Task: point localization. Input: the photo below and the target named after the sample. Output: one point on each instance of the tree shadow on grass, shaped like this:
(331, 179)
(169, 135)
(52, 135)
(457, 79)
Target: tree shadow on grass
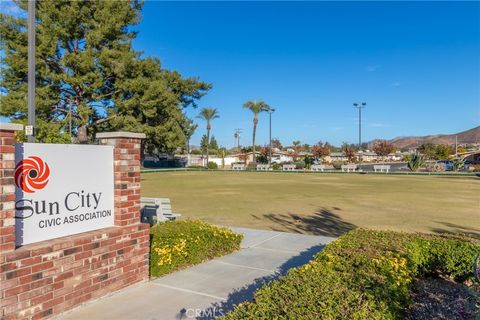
(323, 223)
(457, 229)
(246, 293)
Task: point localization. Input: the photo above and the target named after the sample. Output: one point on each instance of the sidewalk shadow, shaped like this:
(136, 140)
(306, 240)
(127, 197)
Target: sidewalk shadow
(457, 229)
(246, 293)
(323, 223)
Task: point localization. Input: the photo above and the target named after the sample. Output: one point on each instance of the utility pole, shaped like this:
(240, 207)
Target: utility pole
(237, 137)
(270, 111)
(30, 129)
(456, 145)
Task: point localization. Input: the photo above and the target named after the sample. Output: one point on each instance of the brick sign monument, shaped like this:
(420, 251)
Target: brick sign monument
(70, 226)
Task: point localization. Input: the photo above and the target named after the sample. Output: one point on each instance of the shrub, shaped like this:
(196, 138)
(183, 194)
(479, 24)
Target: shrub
(212, 165)
(276, 166)
(178, 244)
(261, 158)
(196, 151)
(337, 164)
(458, 165)
(362, 275)
(196, 167)
(308, 161)
(473, 168)
(251, 166)
(416, 162)
(299, 165)
(435, 167)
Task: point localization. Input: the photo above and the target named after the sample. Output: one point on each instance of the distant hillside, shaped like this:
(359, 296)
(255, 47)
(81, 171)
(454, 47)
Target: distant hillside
(469, 136)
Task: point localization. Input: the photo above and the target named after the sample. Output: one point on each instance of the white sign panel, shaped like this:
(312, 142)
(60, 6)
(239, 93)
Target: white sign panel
(62, 190)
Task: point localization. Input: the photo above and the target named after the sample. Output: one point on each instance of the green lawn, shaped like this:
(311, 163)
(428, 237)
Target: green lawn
(325, 204)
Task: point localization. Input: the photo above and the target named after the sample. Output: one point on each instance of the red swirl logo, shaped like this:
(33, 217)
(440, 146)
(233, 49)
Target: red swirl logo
(31, 174)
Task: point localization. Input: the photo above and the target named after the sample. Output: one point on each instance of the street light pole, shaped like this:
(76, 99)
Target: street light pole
(270, 111)
(31, 70)
(359, 106)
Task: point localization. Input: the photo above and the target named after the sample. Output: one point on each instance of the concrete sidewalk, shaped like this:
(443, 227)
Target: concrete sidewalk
(210, 289)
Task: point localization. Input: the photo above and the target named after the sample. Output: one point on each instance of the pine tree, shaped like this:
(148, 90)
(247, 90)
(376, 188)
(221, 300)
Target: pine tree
(213, 143)
(88, 71)
(204, 144)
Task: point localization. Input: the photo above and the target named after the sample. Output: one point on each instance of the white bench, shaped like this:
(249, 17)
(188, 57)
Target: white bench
(238, 166)
(155, 210)
(263, 167)
(381, 168)
(349, 167)
(289, 167)
(317, 167)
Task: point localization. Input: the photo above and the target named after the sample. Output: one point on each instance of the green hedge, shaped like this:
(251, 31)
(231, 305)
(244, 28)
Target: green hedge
(362, 275)
(212, 165)
(178, 244)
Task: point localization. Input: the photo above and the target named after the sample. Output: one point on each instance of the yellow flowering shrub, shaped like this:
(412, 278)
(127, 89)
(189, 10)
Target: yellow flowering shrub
(178, 244)
(364, 274)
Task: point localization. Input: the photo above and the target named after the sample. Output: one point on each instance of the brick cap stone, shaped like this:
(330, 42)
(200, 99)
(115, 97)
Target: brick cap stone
(120, 134)
(10, 126)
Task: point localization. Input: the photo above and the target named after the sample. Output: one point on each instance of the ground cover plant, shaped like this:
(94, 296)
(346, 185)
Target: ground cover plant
(323, 204)
(363, 275)
(178, 244)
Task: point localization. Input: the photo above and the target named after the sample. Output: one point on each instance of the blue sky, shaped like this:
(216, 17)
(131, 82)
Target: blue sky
(416, 64)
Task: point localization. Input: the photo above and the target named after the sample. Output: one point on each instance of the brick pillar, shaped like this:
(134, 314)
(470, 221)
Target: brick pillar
(126, 174)
(42, 279)
(7, 186)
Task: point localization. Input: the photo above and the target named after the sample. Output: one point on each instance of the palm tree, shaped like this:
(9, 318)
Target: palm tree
(296, 150)
(222, 153)
(296, 145)
(256, 107)
(208, 114)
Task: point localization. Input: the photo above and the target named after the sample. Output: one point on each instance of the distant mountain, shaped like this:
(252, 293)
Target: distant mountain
(469, 136)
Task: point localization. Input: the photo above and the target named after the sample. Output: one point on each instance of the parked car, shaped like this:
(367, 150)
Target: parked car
(448, 165)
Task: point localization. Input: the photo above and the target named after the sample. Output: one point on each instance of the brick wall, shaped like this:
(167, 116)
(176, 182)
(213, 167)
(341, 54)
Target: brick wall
(7, 196)
(46, 278)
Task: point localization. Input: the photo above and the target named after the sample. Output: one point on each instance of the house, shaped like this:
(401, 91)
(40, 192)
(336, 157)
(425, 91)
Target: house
(227, 161)
(364, 156)
(277, 157)
(368, 156)
(397, 156)
(281, 157)
(335, 156)
(194, 160)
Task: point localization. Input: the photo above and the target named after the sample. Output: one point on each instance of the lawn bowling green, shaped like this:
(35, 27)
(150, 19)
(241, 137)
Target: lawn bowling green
(322, 203)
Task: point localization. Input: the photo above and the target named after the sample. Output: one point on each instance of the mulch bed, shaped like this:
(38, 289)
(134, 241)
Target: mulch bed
(441, 298)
